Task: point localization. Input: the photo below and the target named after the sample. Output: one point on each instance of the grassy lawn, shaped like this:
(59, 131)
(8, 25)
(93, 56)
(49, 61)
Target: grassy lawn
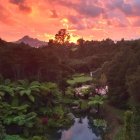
(79, 79)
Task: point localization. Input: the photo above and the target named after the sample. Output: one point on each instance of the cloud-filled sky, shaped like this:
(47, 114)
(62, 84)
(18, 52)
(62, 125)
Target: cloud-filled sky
(90, 19)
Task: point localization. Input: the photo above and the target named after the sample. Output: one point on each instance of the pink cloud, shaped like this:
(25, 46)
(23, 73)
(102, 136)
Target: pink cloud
(22, 5)
(85, 18)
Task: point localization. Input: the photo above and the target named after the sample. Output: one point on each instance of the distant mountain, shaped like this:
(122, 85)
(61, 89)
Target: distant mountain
(33, 42)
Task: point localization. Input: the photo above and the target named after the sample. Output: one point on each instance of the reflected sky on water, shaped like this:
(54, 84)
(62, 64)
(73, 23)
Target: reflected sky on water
(79, 131)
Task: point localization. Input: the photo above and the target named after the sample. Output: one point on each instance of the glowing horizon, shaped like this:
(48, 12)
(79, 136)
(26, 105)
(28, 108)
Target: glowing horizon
(88, 19)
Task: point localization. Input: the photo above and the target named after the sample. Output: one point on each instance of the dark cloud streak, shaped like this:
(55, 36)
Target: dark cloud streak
(17, 1)
(22, 5)
(82, 7)
(54, 14)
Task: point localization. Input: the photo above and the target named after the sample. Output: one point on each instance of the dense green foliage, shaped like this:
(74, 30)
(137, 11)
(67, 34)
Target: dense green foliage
(97, 101)
(79, 79)
(39, 102)
(123, 78)
(53, 62)
(128, 125)
(13, 137)
(25, 105)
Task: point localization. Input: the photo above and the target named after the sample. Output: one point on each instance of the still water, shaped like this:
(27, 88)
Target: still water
(80, 130)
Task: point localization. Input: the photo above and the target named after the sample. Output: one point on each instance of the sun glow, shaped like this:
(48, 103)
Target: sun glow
(65, 22)
(74, 38)
(34, 13)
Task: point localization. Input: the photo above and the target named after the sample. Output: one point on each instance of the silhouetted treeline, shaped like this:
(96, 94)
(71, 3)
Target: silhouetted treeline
(56, 61)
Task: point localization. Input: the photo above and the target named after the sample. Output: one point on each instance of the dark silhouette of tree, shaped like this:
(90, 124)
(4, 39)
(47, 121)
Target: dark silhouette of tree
(62, 36)
(51, 43)
(81, 42)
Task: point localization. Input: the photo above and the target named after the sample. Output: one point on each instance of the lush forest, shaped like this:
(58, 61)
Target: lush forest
(37, 87)
(55, 60)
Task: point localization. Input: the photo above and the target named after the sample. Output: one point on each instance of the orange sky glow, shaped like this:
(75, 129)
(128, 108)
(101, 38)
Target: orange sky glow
(88, 19)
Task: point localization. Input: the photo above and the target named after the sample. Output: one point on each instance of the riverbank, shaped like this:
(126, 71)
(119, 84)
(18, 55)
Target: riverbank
(114, 117)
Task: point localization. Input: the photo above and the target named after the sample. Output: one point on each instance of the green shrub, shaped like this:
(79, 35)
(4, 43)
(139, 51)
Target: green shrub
(38, 138)
(128, 119)
(13, 137)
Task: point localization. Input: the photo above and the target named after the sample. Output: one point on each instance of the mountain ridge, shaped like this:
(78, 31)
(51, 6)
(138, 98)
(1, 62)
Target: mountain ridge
(33, 42)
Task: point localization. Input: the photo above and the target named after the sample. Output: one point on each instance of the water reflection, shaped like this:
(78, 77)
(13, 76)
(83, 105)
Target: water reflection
(79, 131)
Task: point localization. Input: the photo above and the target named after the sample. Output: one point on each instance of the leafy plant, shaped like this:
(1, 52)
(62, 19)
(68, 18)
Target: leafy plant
(16, 115)
(21, 120)
(79, 79)
(13, 137)
(128, 125)
(58, 110)
(50, 93)
(100, 123)
(70, 91)
(27, 89)
(7, 109)
(38, 138)
(96, 101)
(6, 88)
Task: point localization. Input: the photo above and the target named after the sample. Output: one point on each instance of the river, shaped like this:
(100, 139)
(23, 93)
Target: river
(80, 130)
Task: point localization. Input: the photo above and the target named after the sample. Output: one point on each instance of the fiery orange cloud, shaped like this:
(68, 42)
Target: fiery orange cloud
(88, 19)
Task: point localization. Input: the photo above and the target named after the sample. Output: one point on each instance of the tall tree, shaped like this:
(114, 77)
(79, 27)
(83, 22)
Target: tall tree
(62, 36)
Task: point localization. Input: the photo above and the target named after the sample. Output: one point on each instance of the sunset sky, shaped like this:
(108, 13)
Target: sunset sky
(90, 19)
